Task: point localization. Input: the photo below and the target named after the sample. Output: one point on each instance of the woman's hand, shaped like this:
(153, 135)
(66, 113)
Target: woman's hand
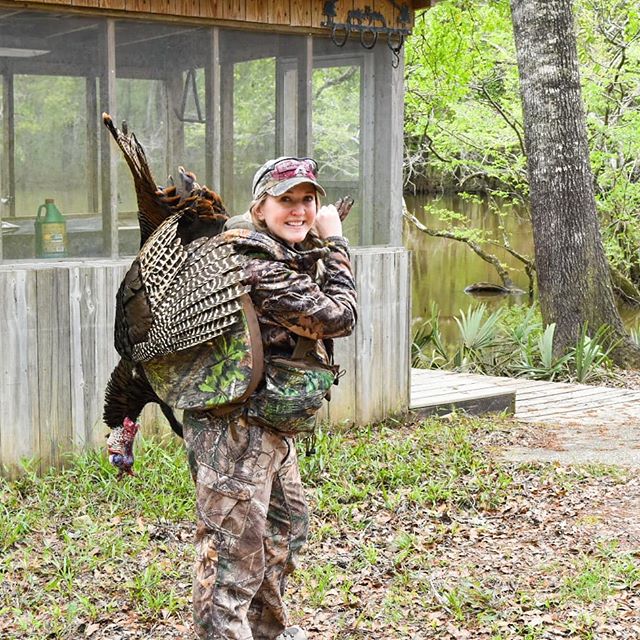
(328, 222)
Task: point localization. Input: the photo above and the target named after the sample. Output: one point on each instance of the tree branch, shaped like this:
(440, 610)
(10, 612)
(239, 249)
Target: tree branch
(625, 289)
(475, 247)
(512, 123)
(334, 81)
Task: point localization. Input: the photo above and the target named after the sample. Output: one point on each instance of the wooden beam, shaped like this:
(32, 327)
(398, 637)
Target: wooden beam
(281, 72)
(367, 148)
(500, 401)
(19, 375)
(174, 88)
(387, 148)
(227, 159)
(107, 53)
(54, 375)
(8, 144)
(286, 108)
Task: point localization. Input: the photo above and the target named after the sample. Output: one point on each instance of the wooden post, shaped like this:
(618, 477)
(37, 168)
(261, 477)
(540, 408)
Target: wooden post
(212, 160)
(305, 78)
(174, 87)
(53, 323)
(93, 168)
(286, 108)
(367, 148)
(8, 144)
(376, 357)
(226, 129)
(386, 214)
(20, 415)
(109, 175)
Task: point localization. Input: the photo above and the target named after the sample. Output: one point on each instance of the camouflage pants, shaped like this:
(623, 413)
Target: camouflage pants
(252, 523)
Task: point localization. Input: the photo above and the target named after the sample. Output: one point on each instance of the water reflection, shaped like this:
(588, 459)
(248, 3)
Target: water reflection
(443, 268)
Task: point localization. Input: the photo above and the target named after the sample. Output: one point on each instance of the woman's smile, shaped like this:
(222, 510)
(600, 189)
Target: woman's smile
(291, 215)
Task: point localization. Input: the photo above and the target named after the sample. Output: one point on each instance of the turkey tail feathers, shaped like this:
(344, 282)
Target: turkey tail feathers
(181, 291)
(154, 205)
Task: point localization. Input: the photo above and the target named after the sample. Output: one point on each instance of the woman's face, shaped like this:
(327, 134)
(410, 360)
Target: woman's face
(291, 215)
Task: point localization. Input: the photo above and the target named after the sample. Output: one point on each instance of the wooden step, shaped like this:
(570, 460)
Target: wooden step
(434, 391)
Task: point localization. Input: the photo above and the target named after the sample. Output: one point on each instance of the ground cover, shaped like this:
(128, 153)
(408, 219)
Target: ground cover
(419, 530)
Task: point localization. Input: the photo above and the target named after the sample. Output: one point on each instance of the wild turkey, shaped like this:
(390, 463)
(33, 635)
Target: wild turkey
(184, 289)
(200, 213)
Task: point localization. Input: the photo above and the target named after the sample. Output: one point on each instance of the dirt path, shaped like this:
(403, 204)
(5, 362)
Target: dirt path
(584, 440)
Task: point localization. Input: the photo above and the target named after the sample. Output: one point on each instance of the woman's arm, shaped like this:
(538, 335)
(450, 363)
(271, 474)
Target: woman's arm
(295, 301)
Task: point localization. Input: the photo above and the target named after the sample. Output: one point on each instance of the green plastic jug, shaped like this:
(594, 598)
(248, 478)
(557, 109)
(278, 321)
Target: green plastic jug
(51, 231)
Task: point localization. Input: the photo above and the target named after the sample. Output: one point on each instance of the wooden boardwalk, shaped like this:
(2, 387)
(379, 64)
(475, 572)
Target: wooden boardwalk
(436, 391)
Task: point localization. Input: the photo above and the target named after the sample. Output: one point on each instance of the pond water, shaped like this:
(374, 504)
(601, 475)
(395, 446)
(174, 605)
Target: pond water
(442, 268)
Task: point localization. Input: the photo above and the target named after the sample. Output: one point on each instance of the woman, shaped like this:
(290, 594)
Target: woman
(252, 515)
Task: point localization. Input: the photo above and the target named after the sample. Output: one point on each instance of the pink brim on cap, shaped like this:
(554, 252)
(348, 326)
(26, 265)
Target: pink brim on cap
(282, 187)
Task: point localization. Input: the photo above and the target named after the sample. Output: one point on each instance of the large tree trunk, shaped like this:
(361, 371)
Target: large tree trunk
(573, 274)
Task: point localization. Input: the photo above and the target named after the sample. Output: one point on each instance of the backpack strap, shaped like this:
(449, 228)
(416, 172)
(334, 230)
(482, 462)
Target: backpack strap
(257, 359)
(303, 347)
(257, 371)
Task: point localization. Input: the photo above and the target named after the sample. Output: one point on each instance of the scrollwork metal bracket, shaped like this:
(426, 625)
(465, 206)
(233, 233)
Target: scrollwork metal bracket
(369, 24)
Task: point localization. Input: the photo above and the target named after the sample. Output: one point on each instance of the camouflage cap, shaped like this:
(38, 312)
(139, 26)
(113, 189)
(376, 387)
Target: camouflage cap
(277, 176)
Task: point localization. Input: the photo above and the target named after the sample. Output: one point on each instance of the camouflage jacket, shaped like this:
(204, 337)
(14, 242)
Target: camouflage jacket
(288, 300)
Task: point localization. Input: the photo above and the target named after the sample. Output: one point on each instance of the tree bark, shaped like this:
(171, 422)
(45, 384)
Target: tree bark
(574, 282)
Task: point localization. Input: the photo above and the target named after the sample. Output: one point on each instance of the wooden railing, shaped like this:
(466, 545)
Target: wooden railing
(56, 352)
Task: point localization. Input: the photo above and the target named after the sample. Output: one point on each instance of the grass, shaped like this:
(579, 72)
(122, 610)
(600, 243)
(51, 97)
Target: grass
(415, 526)
(74, 542)
(437, 464)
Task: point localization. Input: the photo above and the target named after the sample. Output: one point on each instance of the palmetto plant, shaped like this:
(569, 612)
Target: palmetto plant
(476, 332)
(511, 342)
(539, 362)
(589, 357)
(428, 350)
(480, 338)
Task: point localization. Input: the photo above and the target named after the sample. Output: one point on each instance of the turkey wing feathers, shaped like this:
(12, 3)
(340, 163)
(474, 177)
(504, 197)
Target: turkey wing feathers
(191, 291)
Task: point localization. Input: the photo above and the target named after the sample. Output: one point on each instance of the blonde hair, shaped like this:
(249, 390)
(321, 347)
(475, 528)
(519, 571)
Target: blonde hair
(257, 223)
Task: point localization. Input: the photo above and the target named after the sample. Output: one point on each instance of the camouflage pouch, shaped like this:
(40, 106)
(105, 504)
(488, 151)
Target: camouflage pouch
(293, 391)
